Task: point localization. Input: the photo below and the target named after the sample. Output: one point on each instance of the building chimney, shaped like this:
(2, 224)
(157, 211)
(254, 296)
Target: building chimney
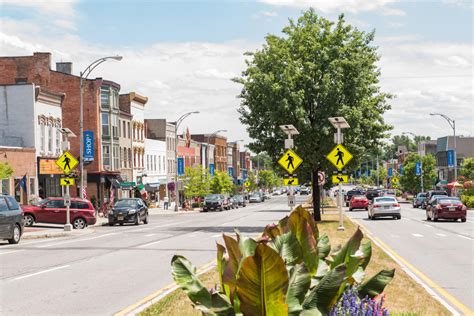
(64, 67)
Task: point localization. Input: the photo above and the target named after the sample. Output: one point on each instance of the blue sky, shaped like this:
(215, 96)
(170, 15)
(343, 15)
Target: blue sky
(182, 53)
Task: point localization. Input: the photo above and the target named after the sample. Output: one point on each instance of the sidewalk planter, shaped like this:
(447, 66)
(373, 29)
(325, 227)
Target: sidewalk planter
(289, 270)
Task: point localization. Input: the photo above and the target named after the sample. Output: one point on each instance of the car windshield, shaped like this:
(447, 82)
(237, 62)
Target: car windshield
(238, 197)
(449, 201)
(212, 197)
(126, 203)
(422, 195)
(359, 197)
(385, 199)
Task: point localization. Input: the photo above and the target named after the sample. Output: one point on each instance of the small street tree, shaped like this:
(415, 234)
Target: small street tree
(317, 69)
(267, 179)
(409, 181)
(6, 170)
(467, 169)
(221, 183)
(196, 182)
(252, 179)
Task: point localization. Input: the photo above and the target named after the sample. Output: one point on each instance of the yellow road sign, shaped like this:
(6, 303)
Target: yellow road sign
(67, 162)
(66, 181)
(339, 156)
(290, 161)
(394, 180)
(290, 181)
(340, 178)
(246, 184)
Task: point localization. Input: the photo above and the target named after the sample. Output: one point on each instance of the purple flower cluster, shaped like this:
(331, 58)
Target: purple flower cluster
(351, 305)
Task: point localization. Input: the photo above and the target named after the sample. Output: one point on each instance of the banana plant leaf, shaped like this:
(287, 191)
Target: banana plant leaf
(221, 265)
(263, 283)
(297, 216)
(324, 246)
(350, 248)
(376, 284)
(298, 285)
(305, 234)
(288, 247)
(366, 249)
(229, 277)
(247, 246)
(272, 231)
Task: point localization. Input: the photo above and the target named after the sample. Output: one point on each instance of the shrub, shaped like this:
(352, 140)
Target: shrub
(468, 200)
(351, 304)
(288, 270)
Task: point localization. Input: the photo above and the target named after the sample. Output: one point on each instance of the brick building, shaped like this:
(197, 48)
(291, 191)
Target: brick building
(220, 149)
(22, 161)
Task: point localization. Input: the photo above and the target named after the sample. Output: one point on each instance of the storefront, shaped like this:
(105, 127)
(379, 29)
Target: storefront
(22, 183)
(48, 178)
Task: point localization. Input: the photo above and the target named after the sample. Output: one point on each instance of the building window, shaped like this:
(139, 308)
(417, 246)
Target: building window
(115, 99)
(115, 125)
(124, 131)
(106, 156)
(58, 141)
(154, 162)
(129, 158)
(50, 138)
(116, 157)
(105, 98)
(128, 129)
(5, 188)
(105, 124)
(42, 137)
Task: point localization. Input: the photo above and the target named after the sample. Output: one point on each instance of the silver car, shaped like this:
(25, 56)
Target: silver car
(385, 206)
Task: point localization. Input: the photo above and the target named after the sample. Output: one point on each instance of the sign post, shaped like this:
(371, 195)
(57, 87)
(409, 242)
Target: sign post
(290, 160)
(67, 162)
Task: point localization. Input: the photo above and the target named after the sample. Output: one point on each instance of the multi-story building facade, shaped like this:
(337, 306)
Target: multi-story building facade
(155, 168)
(219, 153)
(464, 149)
(32, 118)
(125, 149)
(245, 163)
(134, 104)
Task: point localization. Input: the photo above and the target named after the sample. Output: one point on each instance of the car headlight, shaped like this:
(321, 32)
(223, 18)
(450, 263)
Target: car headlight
(132, 211)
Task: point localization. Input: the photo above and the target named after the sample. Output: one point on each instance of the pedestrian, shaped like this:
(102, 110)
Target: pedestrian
(165, 202)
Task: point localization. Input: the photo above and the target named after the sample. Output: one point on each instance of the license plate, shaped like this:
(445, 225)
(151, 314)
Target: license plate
(386, 207)
(120, 217)
(452, 208)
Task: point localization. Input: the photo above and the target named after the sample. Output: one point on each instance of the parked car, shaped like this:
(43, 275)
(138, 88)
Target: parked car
(384, 206)
(359, 202)
(371, 194)
(53, 210)
(350, 194)
(267, 195)
(418, 199)
(226, 203)
(132, 210)
(255, 198)
(430, 194)
(11, 219)
(213, 202)
(277, 192)
(233, 203)
(304, 190)
(241, 201)
(446, 208)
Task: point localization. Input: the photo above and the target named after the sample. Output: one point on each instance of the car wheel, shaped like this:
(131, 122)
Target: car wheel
(137, 220)
(145, 221)
(16, 235)
(428, 218)
(221, 209)
(435, 218)
(350, 210)
(399, 217)
(79, 223)
(29, 220)
(121, 224)
(463, 219)
(111, 224)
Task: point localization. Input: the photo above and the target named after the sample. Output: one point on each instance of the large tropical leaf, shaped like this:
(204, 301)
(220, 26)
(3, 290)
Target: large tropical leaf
(221, 265)
(324, 246)
(262, 283)
(288, 247)
(247, 246)
(352, 245)
(185, 275)
(297, 216)
(230, 273)
(324, 294)
(376, 284)
(271, 231)
(298, 285)
(366, 249)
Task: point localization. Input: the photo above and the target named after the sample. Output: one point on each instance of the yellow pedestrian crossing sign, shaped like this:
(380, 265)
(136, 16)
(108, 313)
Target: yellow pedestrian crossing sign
(290, 161)
(339, 156)
(340, 178)
(66, 181)
(394, 180)
(246, 184)
(290, 181)
(67, 162)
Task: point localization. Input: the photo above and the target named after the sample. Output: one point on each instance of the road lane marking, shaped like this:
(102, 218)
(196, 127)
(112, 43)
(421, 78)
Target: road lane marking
(465, 237)
(76, 240)
(417, 235)
(429, 285)
(149, 244)
(149, 235)
(216, 235)
(4, 253)
(441, 235)
(41, 272)
(428, 225)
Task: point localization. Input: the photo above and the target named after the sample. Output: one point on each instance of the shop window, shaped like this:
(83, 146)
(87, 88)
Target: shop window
(5, 188)
(105, 124)
(106, 156)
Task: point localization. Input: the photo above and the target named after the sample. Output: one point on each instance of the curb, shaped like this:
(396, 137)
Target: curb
(436, 291)
(29, 236)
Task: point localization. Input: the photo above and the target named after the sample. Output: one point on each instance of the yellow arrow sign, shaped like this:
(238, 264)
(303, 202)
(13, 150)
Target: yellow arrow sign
(67, 162)
(290, 161)
(66, 181)
(246, 184)
(340, 178)
(290, 181)
(339, 156)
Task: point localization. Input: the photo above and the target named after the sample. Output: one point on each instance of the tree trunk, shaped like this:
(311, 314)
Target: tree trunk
(316, 197)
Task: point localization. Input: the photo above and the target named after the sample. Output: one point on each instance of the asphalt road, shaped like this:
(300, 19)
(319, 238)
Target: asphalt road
(104, 272)
(442, 250)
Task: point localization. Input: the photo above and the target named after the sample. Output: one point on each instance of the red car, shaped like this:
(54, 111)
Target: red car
(359, 202)
(445, 207)
(53, 211)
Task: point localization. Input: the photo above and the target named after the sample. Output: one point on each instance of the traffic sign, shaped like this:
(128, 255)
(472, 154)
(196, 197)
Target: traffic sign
(66, 181)
(290, 181)
(340, 178)
(246, 184)
(339, 156)
(394, 180)
(66, 162)
(291, 200)
(290, 161)
(321, 178)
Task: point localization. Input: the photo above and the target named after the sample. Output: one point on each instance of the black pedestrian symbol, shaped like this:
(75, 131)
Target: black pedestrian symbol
(339, 156)
(290, 161)
(291, 181)
(341, 179)
(66, 163)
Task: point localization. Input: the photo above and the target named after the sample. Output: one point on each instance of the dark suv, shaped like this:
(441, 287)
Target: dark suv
(351, 193)
(430, 194)
(11, 219)
(213, 202)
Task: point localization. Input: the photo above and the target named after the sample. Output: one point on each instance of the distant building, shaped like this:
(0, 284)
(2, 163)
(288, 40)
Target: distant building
(464, 149)
(427, 147)
(155, 179)
(126, 161)
(220, 149)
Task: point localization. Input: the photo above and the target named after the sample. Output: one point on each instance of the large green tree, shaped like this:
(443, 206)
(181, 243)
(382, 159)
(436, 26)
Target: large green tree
(409, 181)
(317, 69)
(221, 183)
(196, 182)
(6, 170)
(467, 168)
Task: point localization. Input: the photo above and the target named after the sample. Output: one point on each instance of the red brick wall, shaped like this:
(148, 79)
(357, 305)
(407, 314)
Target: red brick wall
(22, 160)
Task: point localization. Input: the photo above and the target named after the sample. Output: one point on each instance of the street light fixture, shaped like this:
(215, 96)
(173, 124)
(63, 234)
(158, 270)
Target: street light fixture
(176, 125)
(84, 74)
(451, 123)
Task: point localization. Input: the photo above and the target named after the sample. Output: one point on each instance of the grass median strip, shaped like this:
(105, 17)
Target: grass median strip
(403, 295)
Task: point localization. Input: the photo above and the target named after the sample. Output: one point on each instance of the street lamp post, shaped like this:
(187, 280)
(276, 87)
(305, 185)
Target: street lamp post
(451, 123)
(84, 74)
(176, 125)
(421, 161)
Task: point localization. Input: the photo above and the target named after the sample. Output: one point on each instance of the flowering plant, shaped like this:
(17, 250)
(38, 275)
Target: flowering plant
(351, 305)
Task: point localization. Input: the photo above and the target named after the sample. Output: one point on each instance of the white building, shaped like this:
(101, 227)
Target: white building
(155, 167)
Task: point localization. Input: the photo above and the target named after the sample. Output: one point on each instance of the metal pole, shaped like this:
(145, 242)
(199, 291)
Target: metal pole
(377, 168)
(176, 167)
(455, 154)
(421, 176)
(68, 227)
(81, 145)
(341, 220)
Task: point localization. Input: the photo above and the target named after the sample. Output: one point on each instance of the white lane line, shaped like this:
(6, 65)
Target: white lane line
(440, 235)
(216, 235)
(394, 236)
(4, 253)
(149, 244)
(41, 272)
(428, 225)
(465, 237)
(417, 235)
(76, 240)
(149, 235)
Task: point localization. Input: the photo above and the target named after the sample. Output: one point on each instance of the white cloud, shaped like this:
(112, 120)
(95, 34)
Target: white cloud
(64, 8)
(326, 6)
(214, 74)
(65, 24)
(269, 13)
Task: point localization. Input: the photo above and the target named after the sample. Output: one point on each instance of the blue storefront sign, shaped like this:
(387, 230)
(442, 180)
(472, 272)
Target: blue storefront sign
(88, 145)
(418, 169)
(244, 174)
(180, 166)
(230, 171)
(450, 158)
(390, 171)
(358, 174)
(401, 170)
(211, 169)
